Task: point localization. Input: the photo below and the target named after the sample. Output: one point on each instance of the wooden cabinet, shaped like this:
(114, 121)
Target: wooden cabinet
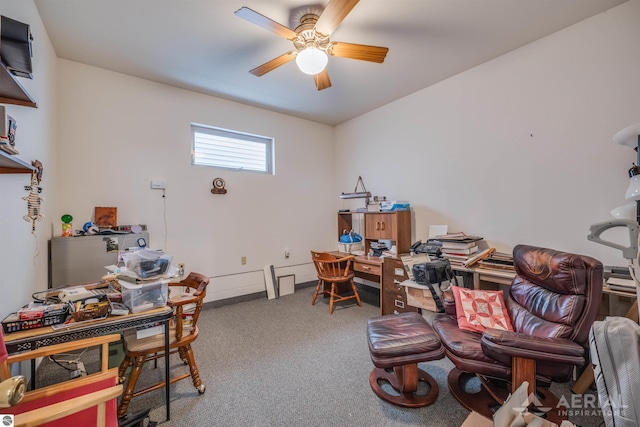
(393, 298)
(380, 226)
(395, 226)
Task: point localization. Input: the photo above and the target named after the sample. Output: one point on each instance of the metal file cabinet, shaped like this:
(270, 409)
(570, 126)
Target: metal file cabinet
(81, 259)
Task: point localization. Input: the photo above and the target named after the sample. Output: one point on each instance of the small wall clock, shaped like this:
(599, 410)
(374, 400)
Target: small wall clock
(218, 186)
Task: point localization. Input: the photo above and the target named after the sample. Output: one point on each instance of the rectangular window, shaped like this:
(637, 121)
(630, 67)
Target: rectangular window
(227, 149)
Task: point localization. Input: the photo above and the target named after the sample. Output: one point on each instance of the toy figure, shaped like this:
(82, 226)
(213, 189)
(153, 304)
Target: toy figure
(34, 200)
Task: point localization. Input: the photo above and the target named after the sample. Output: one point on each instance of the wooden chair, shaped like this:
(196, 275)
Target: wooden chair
(335, 271)
(83, 401)
(187, 304)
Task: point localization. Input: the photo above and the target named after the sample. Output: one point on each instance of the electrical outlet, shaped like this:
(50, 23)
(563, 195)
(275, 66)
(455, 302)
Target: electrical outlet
(158, 184)
(181, 269)
(243, 260)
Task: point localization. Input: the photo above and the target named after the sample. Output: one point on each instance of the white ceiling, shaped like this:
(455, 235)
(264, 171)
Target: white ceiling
(202, 46)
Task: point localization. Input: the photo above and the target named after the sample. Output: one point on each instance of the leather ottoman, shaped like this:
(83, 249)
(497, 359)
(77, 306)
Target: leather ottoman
(397, 343)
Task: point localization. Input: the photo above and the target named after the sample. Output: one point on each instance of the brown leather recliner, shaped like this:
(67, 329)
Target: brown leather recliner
(552, 302)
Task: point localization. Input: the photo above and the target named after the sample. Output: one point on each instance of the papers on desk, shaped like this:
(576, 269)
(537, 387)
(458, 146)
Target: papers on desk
(60, 326)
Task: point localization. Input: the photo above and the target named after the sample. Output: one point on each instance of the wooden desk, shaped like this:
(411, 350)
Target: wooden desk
(32, 339)
(505, 277)
(369, 268)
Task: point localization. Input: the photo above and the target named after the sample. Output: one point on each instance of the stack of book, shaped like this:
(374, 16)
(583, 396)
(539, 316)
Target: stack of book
(6, 146)
(498, 260)
(458, 248)
(7, 132)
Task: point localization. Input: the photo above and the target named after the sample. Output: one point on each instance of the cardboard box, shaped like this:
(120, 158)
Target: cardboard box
(513, 414)
(421, 298)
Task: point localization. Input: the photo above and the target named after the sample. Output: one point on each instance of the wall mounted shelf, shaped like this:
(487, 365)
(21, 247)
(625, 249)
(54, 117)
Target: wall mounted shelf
(11, 91)
(13, 164)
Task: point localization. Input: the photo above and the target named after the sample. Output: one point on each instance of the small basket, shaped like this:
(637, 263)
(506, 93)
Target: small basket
(351, 248)
(12, 322)
(92, 311)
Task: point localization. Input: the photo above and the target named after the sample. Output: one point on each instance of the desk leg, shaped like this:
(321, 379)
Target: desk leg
(167, 378)
(381, 290)
(33, 374)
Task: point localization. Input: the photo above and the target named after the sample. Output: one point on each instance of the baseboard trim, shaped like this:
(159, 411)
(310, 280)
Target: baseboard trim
(248, 297)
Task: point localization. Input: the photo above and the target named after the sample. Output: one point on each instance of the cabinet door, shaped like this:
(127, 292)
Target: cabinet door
(380, 226)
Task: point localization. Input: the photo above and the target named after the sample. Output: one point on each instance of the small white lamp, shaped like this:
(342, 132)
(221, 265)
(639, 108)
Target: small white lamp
(627, 211)
(312, 60)
(630, 136)
(633, 191)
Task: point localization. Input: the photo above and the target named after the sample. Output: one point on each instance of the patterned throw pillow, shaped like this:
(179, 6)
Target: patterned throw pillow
(478, 310)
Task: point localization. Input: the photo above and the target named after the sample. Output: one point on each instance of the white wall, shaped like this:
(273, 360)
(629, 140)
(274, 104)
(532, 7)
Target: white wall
(23, 257)
(118, 132)
(519, 149)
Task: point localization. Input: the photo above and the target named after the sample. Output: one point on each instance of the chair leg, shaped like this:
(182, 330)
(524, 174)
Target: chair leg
(315, 294)
(122, 369)
(182, 352)
(332, 296)
(131, 385)
(193, 368)
(355, 292)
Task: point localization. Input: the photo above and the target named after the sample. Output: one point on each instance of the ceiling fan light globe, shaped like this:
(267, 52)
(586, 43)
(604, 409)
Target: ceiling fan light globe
(312, 61)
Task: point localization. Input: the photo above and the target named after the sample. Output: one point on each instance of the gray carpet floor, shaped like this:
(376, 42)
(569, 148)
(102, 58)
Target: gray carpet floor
(285, 362)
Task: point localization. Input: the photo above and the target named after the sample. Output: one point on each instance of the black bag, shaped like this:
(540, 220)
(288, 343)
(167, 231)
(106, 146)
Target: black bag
(438, 276)
(137, 419)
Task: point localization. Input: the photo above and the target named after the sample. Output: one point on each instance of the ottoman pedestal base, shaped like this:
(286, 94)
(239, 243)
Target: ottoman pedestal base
(404, 380)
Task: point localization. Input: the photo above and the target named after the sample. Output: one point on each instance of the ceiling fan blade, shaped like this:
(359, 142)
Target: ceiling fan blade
(266, 23)
(273, 64)
(359, 51)
(333, 15)
(322, 79)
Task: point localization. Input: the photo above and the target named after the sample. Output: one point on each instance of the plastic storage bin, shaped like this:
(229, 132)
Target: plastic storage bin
(144, 296)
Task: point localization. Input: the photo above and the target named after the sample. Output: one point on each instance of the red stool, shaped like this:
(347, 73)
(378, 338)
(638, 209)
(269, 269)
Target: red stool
(397, 343)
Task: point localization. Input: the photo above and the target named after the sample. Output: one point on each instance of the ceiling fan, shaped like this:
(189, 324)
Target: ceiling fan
(311, 41)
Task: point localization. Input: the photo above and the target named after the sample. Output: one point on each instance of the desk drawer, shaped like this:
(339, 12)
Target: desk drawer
(374, 269)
